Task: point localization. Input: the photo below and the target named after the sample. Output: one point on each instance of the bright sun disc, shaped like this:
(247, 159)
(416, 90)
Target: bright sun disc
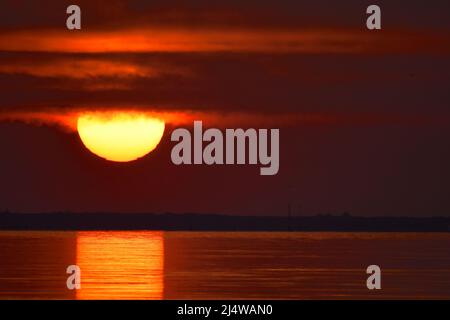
(120, 136)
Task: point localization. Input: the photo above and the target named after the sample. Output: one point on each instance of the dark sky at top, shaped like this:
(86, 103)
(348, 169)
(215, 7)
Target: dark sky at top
(370, 110)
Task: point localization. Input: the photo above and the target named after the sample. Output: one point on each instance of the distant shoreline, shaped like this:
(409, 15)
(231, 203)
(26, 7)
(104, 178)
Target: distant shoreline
(216, 222)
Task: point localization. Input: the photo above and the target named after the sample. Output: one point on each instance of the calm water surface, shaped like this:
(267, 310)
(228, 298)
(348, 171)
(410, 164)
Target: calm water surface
(223, 265)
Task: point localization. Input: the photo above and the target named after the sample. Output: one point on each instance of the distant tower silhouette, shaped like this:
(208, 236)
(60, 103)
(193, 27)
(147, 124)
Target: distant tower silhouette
(289, 227)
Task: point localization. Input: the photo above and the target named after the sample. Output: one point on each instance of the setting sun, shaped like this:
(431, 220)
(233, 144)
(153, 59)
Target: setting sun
(120, 136)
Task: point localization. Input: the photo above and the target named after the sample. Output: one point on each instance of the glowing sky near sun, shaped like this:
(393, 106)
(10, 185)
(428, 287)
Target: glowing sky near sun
(356, 109)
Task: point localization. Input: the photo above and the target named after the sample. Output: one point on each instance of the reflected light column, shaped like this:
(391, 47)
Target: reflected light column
(120, 265)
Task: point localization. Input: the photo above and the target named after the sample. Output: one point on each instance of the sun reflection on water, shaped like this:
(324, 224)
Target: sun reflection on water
(120, 265)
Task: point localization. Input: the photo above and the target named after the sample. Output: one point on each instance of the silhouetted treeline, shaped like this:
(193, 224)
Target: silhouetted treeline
(213, 222)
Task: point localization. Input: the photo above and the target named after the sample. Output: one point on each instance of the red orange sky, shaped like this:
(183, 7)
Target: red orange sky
(364, 116)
